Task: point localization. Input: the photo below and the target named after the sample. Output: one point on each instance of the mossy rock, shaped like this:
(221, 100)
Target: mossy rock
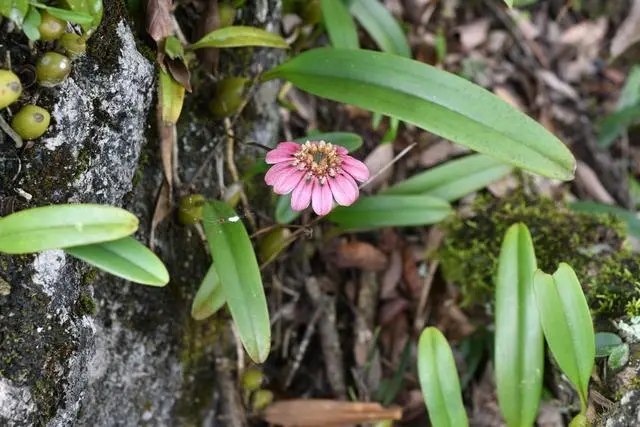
(594, 245)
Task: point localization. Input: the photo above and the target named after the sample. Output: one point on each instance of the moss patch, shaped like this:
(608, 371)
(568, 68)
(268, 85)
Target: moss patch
(594, 245)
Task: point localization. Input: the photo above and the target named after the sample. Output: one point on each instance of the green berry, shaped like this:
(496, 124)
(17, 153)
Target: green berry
(10, 88)
(190, 210)
(261, 399)
(51, 28)
(73, 44)
(31, 122)
(52, 69)
(252, 379)
(227, 14)
(229, 97)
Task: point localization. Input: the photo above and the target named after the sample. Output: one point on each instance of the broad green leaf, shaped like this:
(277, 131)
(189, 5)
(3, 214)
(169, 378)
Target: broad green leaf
(31, 23)
(209, 297)
(432, 99)
(381, 26)
(239, 274)
(454, 179)
(619, 357)
(390, 211)
(633, 223)
(519, 343)
(63, 226)
(605, 342)
(615, 123)
(630, 92)
(284, 213)
(67, 15)
(350, 141)
(172, 98)
(339, 24)
(16, 10)
(126, 258)
(439, 380)
(567, 325)
(240, 36)
(94, 8)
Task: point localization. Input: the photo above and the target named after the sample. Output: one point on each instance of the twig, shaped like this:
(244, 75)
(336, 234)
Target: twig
(306, 339)
(12, 134)
(394, 160)
(231, 401)
(233, 171)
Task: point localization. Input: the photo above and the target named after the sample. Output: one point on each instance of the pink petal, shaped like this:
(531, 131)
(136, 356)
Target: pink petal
(344, 189)
(321, 198)
(355, 168)
(275, 172)
(282, 153)
(341, 150)
(301, 196)
(287, 181)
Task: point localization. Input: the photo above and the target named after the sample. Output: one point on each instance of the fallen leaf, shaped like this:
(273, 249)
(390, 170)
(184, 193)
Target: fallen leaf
(473, 34)
(324, 412)
(391, 276)
(360, 255)
(588, 181)
(179, 72)
(628, 33)
(391, 309)
(159, 22)
(377, 160)
(436, 153)
(410, 273)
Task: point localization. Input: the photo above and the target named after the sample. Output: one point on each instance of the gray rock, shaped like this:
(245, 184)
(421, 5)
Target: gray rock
(80, 347)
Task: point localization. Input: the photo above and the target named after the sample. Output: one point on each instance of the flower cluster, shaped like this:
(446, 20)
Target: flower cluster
(316, 172)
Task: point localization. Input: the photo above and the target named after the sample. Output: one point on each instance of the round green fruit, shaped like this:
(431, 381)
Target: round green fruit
(31, 122)
(10, 88)
(229, 97)
(52, 69)
(73, 44)
(51, 28)
(190, 210)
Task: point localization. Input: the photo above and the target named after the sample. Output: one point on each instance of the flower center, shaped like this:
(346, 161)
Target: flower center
(320, 159)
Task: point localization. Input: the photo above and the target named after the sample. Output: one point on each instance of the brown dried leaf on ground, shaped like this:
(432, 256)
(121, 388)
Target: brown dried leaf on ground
(436, 153)
(377, 160)
(159, 22)
(588, 182)
(628, 33)
(486, 411)
(360, 255)
(324, 412)
(473, 34)
(410, 274)
(391, 276)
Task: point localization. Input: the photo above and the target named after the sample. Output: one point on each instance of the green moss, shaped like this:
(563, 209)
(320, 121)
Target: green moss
(594, 245)
(85, 305)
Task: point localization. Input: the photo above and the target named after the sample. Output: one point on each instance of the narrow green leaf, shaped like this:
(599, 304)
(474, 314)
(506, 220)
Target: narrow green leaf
(126, 258)
(67, 15)
(94, 8)
(381, 26)
(567, 325)
(454, 179)
(339, 24)
(615, 123)
(606, 342)
(633, 223)
(31, 24)
(509, 3)
(209, 297)
(63, 226)
(519, 342)
(350, 141)
(432, 99)
(16, 10)
(239, 273)
(171, 96)
(439, 380)
(630, 92)
(240, 36)
(390, 211)
(284, 213)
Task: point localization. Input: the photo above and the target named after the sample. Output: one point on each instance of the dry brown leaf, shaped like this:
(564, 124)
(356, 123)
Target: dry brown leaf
(360, 255)
(179, 72)
(549, 415)
(473, 34)
(161, 211)
(557, 85)
(410, 273)
(436, 153)
(168, 139)
(378, 159)
(159, 22)
(628, 33)
(324, 412)
(391, 309)
(391, 277)
(588, 181)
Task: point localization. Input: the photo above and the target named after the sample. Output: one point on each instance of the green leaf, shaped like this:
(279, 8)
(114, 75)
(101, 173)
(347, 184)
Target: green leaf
(16, 10)
(284, 213)
(350, 141)
(454, 179)
(381, 26)
(339, 24)
(630, 92)
(126, 258)
(567, 325)
(67, 15)
(173, 48)
(94, 8)
(615, 123)
(439, 380)
(63, 226)
(633, 223)
(606, 342)
(209, 297)
(239, 274)
(31, 23)
(509, 3)
(432, 99)
(240, 36)
(619, 357)
(171, 96)
(390, 211)
(519, 343)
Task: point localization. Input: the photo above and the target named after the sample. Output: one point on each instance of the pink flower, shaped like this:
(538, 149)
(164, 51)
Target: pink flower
(317, 172)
